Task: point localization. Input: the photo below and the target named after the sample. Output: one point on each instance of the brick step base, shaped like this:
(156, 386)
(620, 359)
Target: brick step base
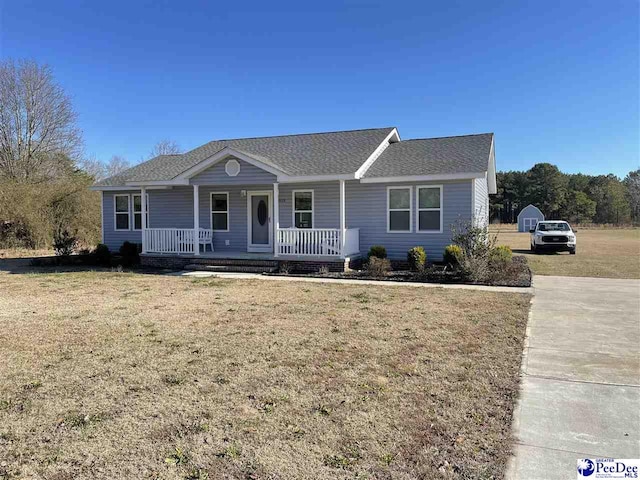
(231, 268)
(233, 262)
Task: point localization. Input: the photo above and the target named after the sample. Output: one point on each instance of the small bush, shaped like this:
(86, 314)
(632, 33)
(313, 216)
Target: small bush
(377, 251)
(102, 254)
(452, 255)
(129, 252)
(501, 254)
(284, 268)
(378, 267)
(417, 259)
(64, 243)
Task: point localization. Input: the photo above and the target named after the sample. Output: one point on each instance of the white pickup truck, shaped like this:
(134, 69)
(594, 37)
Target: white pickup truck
(555, 235)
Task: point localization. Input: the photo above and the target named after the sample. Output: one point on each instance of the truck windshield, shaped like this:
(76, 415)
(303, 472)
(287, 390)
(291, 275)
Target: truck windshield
(556, 226)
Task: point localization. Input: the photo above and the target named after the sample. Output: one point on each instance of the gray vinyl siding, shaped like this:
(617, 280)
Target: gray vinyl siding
(171, 208)
(481, 201)
(249, 175)
(367, 210)
(326, 203)
(115, 238)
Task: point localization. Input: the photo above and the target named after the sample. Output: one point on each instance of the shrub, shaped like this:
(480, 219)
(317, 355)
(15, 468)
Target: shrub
(416, 258)
(378, 267)
(377, 251)
(102, 254)
(284, 268)
(452, 255)
(64, 243)
(129, 252)
(501, 255)
(476, 245)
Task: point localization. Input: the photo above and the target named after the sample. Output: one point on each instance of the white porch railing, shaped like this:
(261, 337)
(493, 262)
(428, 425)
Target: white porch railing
(169, 240)
(317, 242)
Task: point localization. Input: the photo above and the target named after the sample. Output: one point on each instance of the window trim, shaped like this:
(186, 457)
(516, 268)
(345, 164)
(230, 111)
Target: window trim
(389, 210)
(211, 212)
(116, 213)
(133, 211)
(294, 211)
(439, 209)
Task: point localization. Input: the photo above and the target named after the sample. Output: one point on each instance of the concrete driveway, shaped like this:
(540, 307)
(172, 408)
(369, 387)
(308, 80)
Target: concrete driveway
(580, 388)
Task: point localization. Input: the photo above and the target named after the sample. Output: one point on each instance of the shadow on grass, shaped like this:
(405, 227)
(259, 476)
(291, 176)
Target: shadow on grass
(527, 251)
(24, 265)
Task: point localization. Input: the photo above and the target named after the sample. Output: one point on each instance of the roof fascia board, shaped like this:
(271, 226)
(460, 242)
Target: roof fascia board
(109, 188)
(424, 178)
(314, 178)
(393, 135)
(492, 183)
(218, 156)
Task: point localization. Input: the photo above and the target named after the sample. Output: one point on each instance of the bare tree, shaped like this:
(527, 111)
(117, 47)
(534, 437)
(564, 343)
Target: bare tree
(39, 138)
(116, 165)
(94, 167)
(165, 147)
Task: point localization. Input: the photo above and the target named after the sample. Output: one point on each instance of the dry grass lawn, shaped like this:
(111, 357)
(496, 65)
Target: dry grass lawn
(118, 375)
(612, 253)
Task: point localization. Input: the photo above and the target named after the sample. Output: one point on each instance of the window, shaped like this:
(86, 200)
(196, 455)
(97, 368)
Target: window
(303, 208)
(137, 211)
(430, 209)
(121, 211)
(220, 211)
(399, 209)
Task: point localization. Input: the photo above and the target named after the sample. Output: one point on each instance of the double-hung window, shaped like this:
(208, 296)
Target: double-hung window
(399, 200)
(303, 208)
(429, 209)
(137, 211)
(121, 212)
(220, 211)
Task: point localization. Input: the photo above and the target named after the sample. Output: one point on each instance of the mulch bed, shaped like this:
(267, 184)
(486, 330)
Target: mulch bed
(518, 274)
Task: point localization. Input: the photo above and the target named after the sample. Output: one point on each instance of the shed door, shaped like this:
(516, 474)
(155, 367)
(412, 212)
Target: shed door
(530, 223)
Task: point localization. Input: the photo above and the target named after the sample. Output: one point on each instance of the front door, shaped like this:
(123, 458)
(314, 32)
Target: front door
(259, 222)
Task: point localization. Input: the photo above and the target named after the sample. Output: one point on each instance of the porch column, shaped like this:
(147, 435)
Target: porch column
(143, 207)
(343, 219)
(196, 221)
(276, 218)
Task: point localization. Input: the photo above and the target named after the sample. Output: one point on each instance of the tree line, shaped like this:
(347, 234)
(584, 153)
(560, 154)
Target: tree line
(44, 173)
(577, 198)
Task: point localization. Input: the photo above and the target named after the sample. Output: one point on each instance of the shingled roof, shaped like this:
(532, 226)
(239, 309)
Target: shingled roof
(434, 156)
(332, 153)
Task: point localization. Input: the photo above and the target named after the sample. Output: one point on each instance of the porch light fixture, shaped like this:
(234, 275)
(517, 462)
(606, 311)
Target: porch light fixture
(232, 168)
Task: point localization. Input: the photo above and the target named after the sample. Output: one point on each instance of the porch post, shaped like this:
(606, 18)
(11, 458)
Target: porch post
(276, 218)
(343, 219)
(196, 221)
(143, 207)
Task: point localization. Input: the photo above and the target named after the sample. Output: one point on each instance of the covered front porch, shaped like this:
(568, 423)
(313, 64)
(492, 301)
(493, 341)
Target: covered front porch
(258, 212)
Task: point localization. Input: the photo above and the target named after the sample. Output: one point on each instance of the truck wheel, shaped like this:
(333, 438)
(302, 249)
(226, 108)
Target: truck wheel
(572, 251)
(534, 249)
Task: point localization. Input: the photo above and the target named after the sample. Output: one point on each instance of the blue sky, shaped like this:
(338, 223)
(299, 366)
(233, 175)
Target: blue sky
(557, 81)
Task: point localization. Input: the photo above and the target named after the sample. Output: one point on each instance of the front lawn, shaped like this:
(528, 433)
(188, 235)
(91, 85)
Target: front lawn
(118, 375)
(605, 252)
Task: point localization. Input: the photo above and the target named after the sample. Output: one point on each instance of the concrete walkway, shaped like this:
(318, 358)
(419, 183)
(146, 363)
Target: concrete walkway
(580, 388)
(347, 281)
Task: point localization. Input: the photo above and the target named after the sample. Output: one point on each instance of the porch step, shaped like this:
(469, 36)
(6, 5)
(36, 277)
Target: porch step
(232, 268)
